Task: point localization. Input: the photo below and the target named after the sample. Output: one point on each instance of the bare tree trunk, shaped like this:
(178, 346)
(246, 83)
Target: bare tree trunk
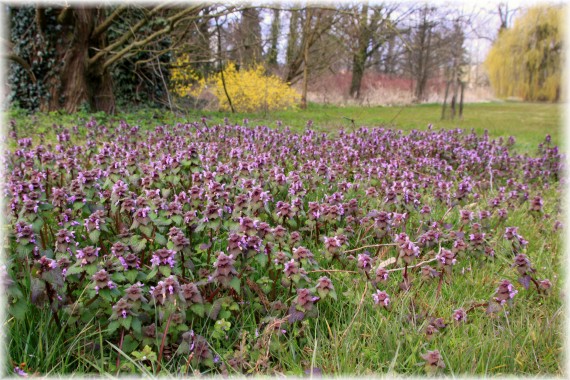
(359, 58)
(79, 82)
(306, 59)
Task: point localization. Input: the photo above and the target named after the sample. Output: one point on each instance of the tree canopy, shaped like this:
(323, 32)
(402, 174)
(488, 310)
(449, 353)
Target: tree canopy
(526, 60)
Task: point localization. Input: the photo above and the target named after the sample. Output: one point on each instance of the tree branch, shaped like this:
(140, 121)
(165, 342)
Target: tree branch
(127, 35)
(171, 22)
(108, 22)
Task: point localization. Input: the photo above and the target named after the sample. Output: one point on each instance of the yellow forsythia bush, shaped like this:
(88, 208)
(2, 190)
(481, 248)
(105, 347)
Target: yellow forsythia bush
(250, 90)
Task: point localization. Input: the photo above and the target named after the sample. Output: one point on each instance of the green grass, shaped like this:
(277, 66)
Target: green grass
(528, 122)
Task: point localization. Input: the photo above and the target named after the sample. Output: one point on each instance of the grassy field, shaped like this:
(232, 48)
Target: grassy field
(528, 122)
(354, 337)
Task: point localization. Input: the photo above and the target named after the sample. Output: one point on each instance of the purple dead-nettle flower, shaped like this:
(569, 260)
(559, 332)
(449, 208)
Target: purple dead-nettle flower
(381, 275)
(235, 244)
(168, 289)
(130, 261)
(225, 269)
(300, 253)
(178, 238)
(251, 243)
(122, 309)
(364, 262)
(545, 285)
(191, 293)
(295, 237)
(511, 233)
(332, 244)
(87, 255)
(484, 214)
(291, 268)
(163, 257)
(558, 225)
(505, 292)
(120, 190)
(459, 315)
(212, 212)
(190, 217)
(128, 205)
(409, 251)
(262, 228)
(174, 208)
(46, 264)
(305, 300)
(119, 249)
(31, 206)
(536, 204)
(446, 257)
(141, 216)
(477, 240)
(522, 263)
(371, 192)
(331, 213)
(431, 331)
(247, 225)
(425, 210)
(314, 210)
(58, 197)
(434, 361)
(502, 213)
(324, 286)
(279, 232)
(381, 298)
(94, 220)
(465, 216)
(20, 372)
(284, 210)
(134, 292)
(25, 233)
(281, 258)
(102, 280)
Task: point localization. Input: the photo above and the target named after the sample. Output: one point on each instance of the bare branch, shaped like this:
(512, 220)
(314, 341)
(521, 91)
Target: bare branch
(108, 22)
(127, 35)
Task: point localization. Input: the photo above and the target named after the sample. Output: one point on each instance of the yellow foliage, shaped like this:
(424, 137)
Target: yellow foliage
(526, 60)
(250, 90)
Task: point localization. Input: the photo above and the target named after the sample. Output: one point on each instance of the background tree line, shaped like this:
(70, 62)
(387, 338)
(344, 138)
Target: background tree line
(104, 57)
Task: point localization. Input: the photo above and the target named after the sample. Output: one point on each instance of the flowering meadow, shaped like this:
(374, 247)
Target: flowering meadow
(237, 249)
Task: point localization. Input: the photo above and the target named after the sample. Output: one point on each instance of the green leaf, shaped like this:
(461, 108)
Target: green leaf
(126, 322)
(18, 309)
(165, 270)
(94, 236)
(160, 239)
(235, 284)
(136, 325)
(131, 275)
(137, 243)
(198, 309)
(37, 225)
(152, 273)
(147, 230)
(113, 326)
(177, 219)
(262, 259)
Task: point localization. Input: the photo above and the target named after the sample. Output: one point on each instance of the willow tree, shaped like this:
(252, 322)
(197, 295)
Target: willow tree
(526, 60)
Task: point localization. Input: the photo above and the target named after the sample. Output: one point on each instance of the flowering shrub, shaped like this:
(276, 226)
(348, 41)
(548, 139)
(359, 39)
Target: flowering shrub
(250, 90)
(167, 238)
